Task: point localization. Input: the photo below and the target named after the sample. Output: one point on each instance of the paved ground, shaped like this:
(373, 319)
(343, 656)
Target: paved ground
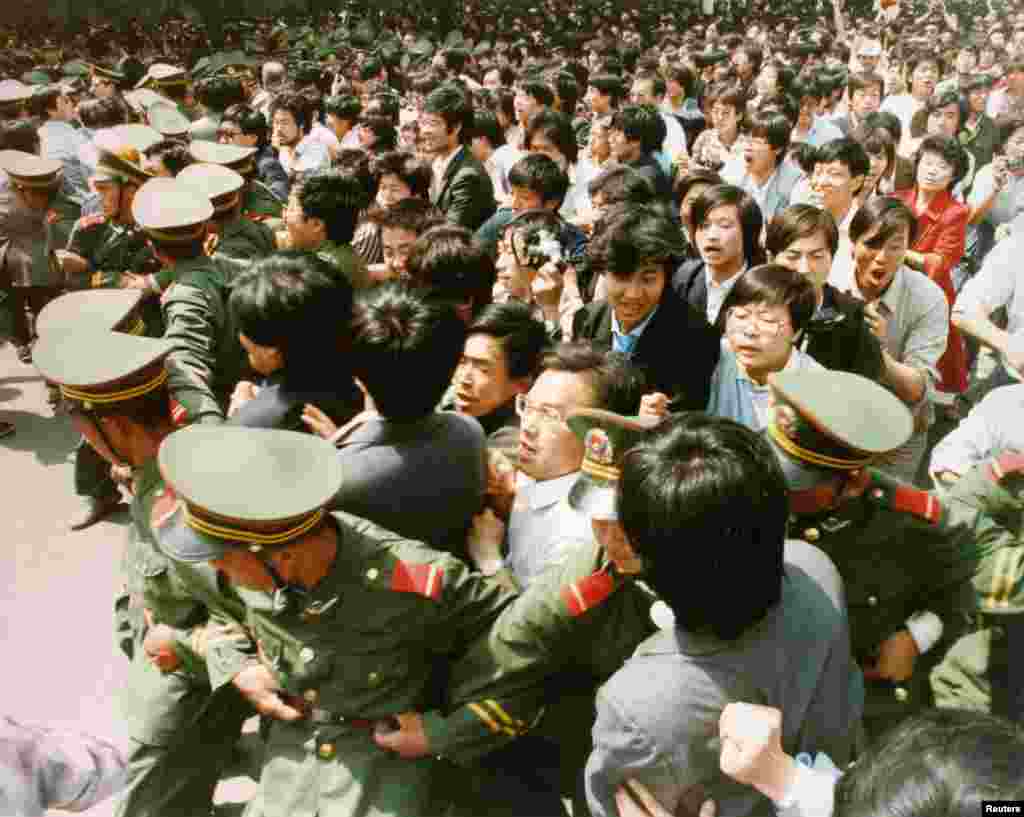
(56, 587)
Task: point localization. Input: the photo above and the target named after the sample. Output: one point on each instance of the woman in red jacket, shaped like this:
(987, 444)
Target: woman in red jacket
(941, 231)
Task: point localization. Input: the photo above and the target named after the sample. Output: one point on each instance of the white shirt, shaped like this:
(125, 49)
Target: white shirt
(718, 292)
(542, 528)
(992, 428)
(324, 135)
(999, 282)
(842, 262)
(309, 156)
(904, 106)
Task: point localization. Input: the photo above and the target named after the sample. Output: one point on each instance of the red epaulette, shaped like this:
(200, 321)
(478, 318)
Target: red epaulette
(919, 503)
(426, 580)
(91, 221)
(1001, 467)
(179, 416)
(165, 505)
(588, 593)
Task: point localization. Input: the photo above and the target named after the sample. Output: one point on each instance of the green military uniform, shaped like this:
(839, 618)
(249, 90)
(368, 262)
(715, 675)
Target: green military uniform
(111, 249)
(539, 667)
(182, 734)
(258, 201)
(905, 556)
(357, 648)
(207, 359)
(245, 239)
(982, 669)
(346, 262)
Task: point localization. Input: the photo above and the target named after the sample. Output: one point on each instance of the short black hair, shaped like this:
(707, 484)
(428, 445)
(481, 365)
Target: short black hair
(538, 90)
(610, 86)
(383, 129)
(454, 105)
(538, 173)
(448, 264)
(862, 80)
(643, 124)
(557, 127)
(683, 184)
(486, 126)
(219, 93)
(417, 215)
(800, 221)
(937, 761)
(335, 197)
(412, 171)
(888, 215)
(173, 154)
(751, 220)
(404, 350)
(847, 151)
(522, 337)
(344, 107)
(293, 302)
(886, 120)
(250, 121)
(101, 113)
(701, 479)
(620, 184)
(775, 285)
(297, 105)
(773, 126)
(617, 384)
(567, 90)
(949, 150)
(631, 236)
(19, 134)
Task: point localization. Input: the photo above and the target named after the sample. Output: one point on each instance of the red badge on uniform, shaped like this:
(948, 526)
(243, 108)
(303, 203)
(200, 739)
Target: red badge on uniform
(587, 593)
(919, 503)
(426, 580)
(52, 216)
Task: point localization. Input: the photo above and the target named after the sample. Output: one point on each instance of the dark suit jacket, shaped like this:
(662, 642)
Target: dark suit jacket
(467, 195)
(690, 284)
(839, 337)
(678, 350)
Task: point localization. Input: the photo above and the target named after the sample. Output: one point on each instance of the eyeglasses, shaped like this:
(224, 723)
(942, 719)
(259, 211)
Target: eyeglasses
(548, 417)
(739, 319)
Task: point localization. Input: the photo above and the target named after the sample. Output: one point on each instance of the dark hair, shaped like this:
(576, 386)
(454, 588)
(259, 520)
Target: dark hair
(538, 173)
(446, 263)
(800, 221)
(616, 383)
(684, 75)
(344, 107)
(878, 140)
(297, 105)
(885, 213)
(775, 285)
(557, 127)
(387, 136)
(728, 93)
(939, 761)
(19, 134)
(539, 91)
(751, 220)
(567, 90)
(949, 150)
(620, 184)
(369, 69)
(862, 80)
(486, 125)
(523, 338)
(774, 127)
(404, 350)
(803, 87)
(453, 104)
(455, 59)
(101, 113)
(683, 184)
(294, 302)
(335, 197)
(610, 86)
(174, 155)
(641, 123)
(1005, 128)
(412, 171)
(45, 100)
(417, 215)
(701, 479)
(886, 120)
(847, 151)
(250, 121)
(657, 83)
(631, 236)
(219, 93)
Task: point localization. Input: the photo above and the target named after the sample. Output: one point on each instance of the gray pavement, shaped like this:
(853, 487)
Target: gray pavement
(61, 667)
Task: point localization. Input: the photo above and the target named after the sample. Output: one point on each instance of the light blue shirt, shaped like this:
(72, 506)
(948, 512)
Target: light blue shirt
(626, 342)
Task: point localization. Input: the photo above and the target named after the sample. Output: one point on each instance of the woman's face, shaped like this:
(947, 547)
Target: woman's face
(725, 118)
(392, 190)
(945, 121)
(934, 173)
(761, 337)
(879, 164)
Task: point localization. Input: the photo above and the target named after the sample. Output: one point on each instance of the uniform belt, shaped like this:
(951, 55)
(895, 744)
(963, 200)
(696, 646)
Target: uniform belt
(325, 717)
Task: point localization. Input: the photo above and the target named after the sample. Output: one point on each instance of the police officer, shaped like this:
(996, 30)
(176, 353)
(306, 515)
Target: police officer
(982, 670)
(349, 618)
(906, 557)
(181, 731)
(206, 358)
(258, 201)
(35, 220)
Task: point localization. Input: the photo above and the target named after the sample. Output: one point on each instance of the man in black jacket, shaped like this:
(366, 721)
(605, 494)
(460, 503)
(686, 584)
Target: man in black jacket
(642, 317)
(804, 238)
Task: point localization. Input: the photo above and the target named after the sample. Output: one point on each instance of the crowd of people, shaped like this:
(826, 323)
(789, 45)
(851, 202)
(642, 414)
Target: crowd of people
(615, 423)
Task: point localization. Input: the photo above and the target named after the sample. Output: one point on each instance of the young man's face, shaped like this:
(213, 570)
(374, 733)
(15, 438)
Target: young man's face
(525, 106)
(876, 261)
(811, 256)
(286, 131)
(833, 187)
(397, 243)
(110, 197)
(761, 336)
(600, 103)
(642, 93)
(303, 232)
(759, 155)
(720, 239)
(482, 381)
(547, 446)
(623, 149)
(866, 100)
(634, 297)
(434, 134)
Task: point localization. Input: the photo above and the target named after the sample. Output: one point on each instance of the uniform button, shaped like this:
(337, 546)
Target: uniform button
(812, 534)
(307, 654)
(374, 678)
(901, 694)
(326, 751)
(878, 493)
(872, 601)
(311, 696)
(372, 574)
